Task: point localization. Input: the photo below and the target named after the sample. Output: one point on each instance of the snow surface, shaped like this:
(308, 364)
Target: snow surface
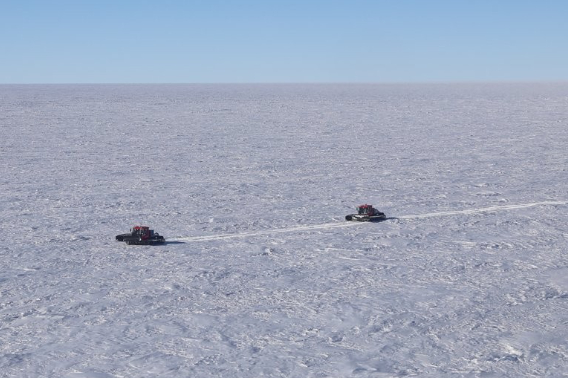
(261, 275)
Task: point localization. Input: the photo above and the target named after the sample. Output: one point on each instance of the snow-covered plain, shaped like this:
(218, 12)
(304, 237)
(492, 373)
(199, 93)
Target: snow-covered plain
(261, 275)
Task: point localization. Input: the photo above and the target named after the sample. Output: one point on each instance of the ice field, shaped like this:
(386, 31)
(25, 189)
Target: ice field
(261, 275)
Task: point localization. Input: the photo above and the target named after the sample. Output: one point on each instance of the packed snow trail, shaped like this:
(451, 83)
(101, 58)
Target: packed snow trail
(483, 210)
(327, 226)
(266, 232)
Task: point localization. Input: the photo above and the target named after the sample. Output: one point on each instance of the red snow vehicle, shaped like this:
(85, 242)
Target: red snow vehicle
(141, 235)
(366, 213)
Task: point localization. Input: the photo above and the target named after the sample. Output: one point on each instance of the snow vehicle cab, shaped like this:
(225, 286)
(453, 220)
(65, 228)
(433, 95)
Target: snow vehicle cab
(141, 235)
(366, 213)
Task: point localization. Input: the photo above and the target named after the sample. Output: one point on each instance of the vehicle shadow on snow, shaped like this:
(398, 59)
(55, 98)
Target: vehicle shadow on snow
(382, 219)
(160, 244)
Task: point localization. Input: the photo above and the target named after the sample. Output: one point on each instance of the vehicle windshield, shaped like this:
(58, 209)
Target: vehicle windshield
(363, 210)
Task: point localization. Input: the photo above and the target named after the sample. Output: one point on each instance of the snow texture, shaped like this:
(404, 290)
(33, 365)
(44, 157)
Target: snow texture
(261, 275)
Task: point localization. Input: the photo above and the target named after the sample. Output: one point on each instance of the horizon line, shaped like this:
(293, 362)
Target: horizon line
(433, 82)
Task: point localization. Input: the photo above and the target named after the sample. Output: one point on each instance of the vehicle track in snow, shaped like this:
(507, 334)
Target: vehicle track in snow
(324, 226)
(327, 226)
(483, 210)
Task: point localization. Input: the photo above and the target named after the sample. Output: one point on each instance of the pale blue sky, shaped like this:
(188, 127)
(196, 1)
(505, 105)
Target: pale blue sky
(290, 41)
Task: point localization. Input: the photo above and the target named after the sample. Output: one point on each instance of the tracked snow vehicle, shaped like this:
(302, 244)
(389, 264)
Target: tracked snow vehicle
(366, 213)
(141, 235)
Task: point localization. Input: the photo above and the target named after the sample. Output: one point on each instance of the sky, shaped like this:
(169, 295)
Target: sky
(282, 41)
